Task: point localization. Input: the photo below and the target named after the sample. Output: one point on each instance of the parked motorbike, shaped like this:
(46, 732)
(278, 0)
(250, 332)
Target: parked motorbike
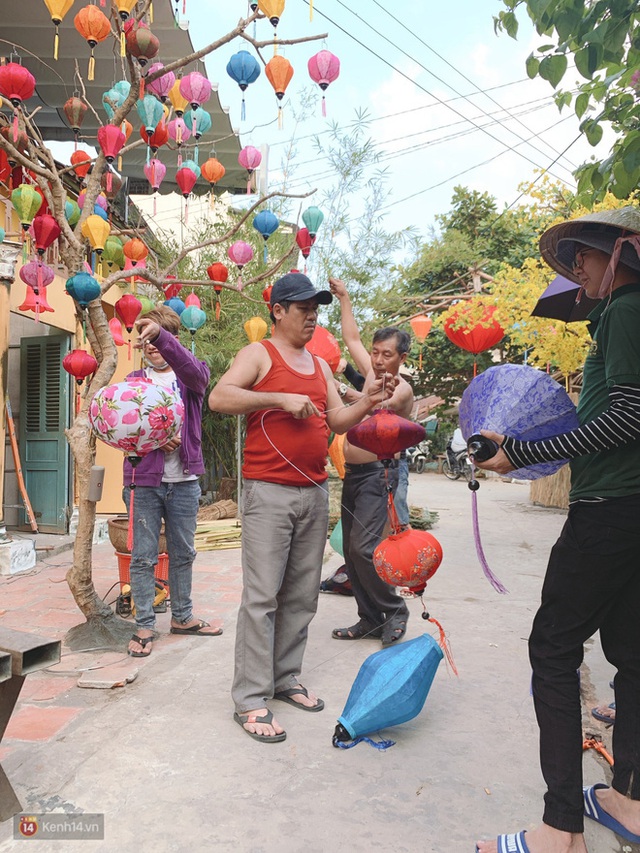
(457, 464)
(418, 456)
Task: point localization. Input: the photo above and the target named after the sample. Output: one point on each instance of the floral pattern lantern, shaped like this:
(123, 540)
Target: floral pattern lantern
(324, 68)
(408, 558)
(136, 416)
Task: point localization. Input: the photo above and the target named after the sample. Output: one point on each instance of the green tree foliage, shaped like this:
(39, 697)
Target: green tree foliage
(602, 39)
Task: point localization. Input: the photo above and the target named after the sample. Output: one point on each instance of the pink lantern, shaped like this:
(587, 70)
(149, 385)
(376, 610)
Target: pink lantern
(249, 158)
(324, 68)
(240, 253)
(116, 331)
(163, 84)
(101, 200)
(179, 132)
(136, 416)
(155, 170)
(37, 276)
(196, 89)
(192, 299)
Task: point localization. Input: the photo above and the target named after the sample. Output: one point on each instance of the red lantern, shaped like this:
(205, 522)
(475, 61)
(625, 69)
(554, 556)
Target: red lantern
(476, 336)
(111, 140)
(81, 162)
(266, 295)
(172, 289)
(305, 241)
(386, 434)
(17, 83)
(408, 558)
(128, 307)
(116, 331)
(218, 273)
(140, 42)
(79, 364)
(93, 25)
(158, 138)
(186, 179)
(45, 231)
(325, 346)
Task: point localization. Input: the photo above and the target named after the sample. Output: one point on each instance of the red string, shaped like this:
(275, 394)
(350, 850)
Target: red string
(444, 644)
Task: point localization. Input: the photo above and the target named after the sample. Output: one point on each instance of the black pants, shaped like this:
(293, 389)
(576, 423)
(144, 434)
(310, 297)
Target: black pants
(364, 514)
(592, 584)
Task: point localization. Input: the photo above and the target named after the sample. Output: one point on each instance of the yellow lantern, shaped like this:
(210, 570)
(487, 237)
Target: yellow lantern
(125, 7)
(96, 230)
(178, 101)
(57, 9)
(256, 329)
(273, 9)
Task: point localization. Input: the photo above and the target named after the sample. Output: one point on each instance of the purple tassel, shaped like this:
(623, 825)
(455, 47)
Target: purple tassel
(493, 580)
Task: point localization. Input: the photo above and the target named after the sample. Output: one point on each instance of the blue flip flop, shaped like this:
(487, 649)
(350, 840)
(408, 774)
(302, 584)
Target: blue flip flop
(512, 843)
(595, 811)
(603, 717)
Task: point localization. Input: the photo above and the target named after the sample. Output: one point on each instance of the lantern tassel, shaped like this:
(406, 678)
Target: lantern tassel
(141, 91)
(265, 255)
(150, 13)
(324, 107)
(420, 362)
(92, 68)
(123, 44)
(248, 184)
(15, 125)
(279, 118)
(193, 345)
(275, 43)
(218, 310)
(131, 508)
(56, 43)
(243, 110)
(109, 181)
(443, 642)
(239, 283)
(311, 10)
(186, 213)
(129, 349)
(119, 162)
(155, 211)
(196, 154)
(493, 580)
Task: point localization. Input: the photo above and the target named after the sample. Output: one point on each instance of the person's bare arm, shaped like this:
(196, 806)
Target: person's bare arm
(350, 331)
(234, 394)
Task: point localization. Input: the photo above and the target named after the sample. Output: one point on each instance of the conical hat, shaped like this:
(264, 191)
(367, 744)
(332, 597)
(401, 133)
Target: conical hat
(599, 230)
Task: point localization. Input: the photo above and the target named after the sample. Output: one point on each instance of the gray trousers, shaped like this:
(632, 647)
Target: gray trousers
(284, 533)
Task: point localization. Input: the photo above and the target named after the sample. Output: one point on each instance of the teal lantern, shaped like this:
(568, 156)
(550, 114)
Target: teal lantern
(115, 97)
(72, 211)
(312, 218)
(151, 112)
(83, 287)
(193, 318)
(199, 122)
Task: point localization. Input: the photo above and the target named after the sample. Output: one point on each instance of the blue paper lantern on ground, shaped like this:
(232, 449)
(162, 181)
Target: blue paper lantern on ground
(390, 688)
(244, 68)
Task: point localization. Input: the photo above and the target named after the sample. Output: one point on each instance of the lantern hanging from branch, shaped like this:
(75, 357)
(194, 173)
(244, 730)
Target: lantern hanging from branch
(72, 211)
(128, 309)
(324, 68)
(83, 287)
(141, 43)
(162, 85)
(115, 327)
(313, 218)
(192, 299)
(240, 253)
(305, 241)
(471, 332)
(176, 304)
(265, 224)
(75, 110)
(37, 276)
(421, 326)
(93, 25)
(158, 138)
(81, 162)
(180, 133)
(111, 140)
(212, 171)
(79, 364)
(45, 231)
(151, 112)
(324, 345)
(195, 88)
(26, 202)
(255, 329)
(21, 144)
(155, 171)
(96, 231)
(193, 318)
(57, 9)
(112, 254)
(200, 122)
(249, 158)
(243, 67)
(17, 84)
(279, 71)
(178, 101)
(273, 10)
(218, 273)
(186, 178)
(136, 251)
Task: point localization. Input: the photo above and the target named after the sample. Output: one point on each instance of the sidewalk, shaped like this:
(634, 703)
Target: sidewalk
(164, 761)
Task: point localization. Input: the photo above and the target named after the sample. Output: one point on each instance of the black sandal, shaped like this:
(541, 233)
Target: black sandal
(357, 632)
(144, 642)
(394, 630)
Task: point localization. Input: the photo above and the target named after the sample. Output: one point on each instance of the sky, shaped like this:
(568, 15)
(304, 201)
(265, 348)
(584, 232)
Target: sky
(429, 80)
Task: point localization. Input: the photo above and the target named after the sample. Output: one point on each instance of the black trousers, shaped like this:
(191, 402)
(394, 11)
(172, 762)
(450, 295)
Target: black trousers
(592, 584)
(364, 514)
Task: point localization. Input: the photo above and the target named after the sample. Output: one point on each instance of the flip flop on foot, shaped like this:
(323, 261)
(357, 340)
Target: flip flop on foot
(605, 713)
(511, 843)
(594, 810)
(393, 631)
(143, 642)
(266, 720)
(196, 628)
(287, 696)
(357, 632)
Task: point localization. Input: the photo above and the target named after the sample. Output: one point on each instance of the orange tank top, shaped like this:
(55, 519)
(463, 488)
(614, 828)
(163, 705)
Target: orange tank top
(302, 442)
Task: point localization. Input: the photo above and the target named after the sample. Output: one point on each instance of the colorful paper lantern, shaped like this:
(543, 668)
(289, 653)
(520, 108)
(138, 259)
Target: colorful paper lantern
(279, 72)
(324, 68)
(83, 287)
(178, 101)
(180, 133)
(159, 137)
(37, 276)
(151, 112)
(72, 211)
(79, 364)
(19, 140)
(193, 318)
(81, 162)
(408, 559)
(249, 158)
(111, 139)
(113, 254)
(385, 434)
(17, 83)
(155, 171)
(96, 231)
(240, 253)
(115, 97)
(421, 326)
(128, 309)
(93, 25)
(272, 9)
(218, 273)
(313, 218)
(27, 202)
(45, 230)
(140, 42)
(195, 88)
(176, 304)
(161, 86)
(212, 171)
(192, 299)
(57, 9)
(116, 332)
(186, 178)
(172, 288)
(135, 250)
(75, 110)
(265, 224)
(255, 329)
(305, 241)
(475, 335)
(244, 68)
(324, 345)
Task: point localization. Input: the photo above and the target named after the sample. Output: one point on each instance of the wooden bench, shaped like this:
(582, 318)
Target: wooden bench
(20, 654)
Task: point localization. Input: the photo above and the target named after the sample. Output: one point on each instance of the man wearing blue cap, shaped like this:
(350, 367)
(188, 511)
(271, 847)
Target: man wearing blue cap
(290, 400)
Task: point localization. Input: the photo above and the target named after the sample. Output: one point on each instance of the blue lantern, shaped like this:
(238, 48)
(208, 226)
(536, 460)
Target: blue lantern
(265, 223)
(116, 96)
(83, 288)
(176, 304)
(243, 67)
(72, 211)
(101, 212)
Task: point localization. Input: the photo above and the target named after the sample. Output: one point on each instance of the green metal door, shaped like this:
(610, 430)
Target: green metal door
(44, 416)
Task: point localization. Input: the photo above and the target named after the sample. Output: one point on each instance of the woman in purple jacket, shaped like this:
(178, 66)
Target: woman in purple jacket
(166, 485)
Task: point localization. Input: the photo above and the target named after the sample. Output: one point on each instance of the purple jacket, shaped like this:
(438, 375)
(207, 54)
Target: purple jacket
(193, 380)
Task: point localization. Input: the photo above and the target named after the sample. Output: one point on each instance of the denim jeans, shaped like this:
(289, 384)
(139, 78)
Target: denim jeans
(400, 497)
(177, 504)
(592, 584)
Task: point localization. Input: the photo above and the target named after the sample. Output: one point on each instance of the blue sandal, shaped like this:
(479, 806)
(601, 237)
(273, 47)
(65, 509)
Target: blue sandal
(594, 810)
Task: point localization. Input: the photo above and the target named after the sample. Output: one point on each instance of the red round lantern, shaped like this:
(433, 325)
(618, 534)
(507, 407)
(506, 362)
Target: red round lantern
(79, 364)
(408, 558)
(386, 434)
(186, 179)
(17, 83)
(158, 138)
(305, 241)
(128, 307)
(45, 231)
(81, 162)
(476, 337)
(325, 346)
(111, 140)
(19, 140)
(218, 273)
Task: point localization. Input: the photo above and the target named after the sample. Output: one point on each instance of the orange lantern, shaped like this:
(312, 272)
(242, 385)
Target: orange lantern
(135, 250)
(408, 558)
(93, 25)
(255, 329)
(279, 72)
(336, 454)
(81, 162)
(421, 326)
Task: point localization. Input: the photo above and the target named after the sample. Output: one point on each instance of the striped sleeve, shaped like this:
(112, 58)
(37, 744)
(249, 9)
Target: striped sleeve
(618, 425)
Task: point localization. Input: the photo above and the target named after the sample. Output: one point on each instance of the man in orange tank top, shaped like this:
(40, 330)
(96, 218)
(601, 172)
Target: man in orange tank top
(290, 400)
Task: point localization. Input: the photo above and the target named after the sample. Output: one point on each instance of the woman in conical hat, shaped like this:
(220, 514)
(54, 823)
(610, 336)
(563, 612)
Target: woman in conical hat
(593, 576)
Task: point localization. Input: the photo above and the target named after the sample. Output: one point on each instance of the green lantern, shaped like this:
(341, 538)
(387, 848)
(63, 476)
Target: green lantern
(112, 253)
(27, 202)
(147, 304)
(312, 218)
